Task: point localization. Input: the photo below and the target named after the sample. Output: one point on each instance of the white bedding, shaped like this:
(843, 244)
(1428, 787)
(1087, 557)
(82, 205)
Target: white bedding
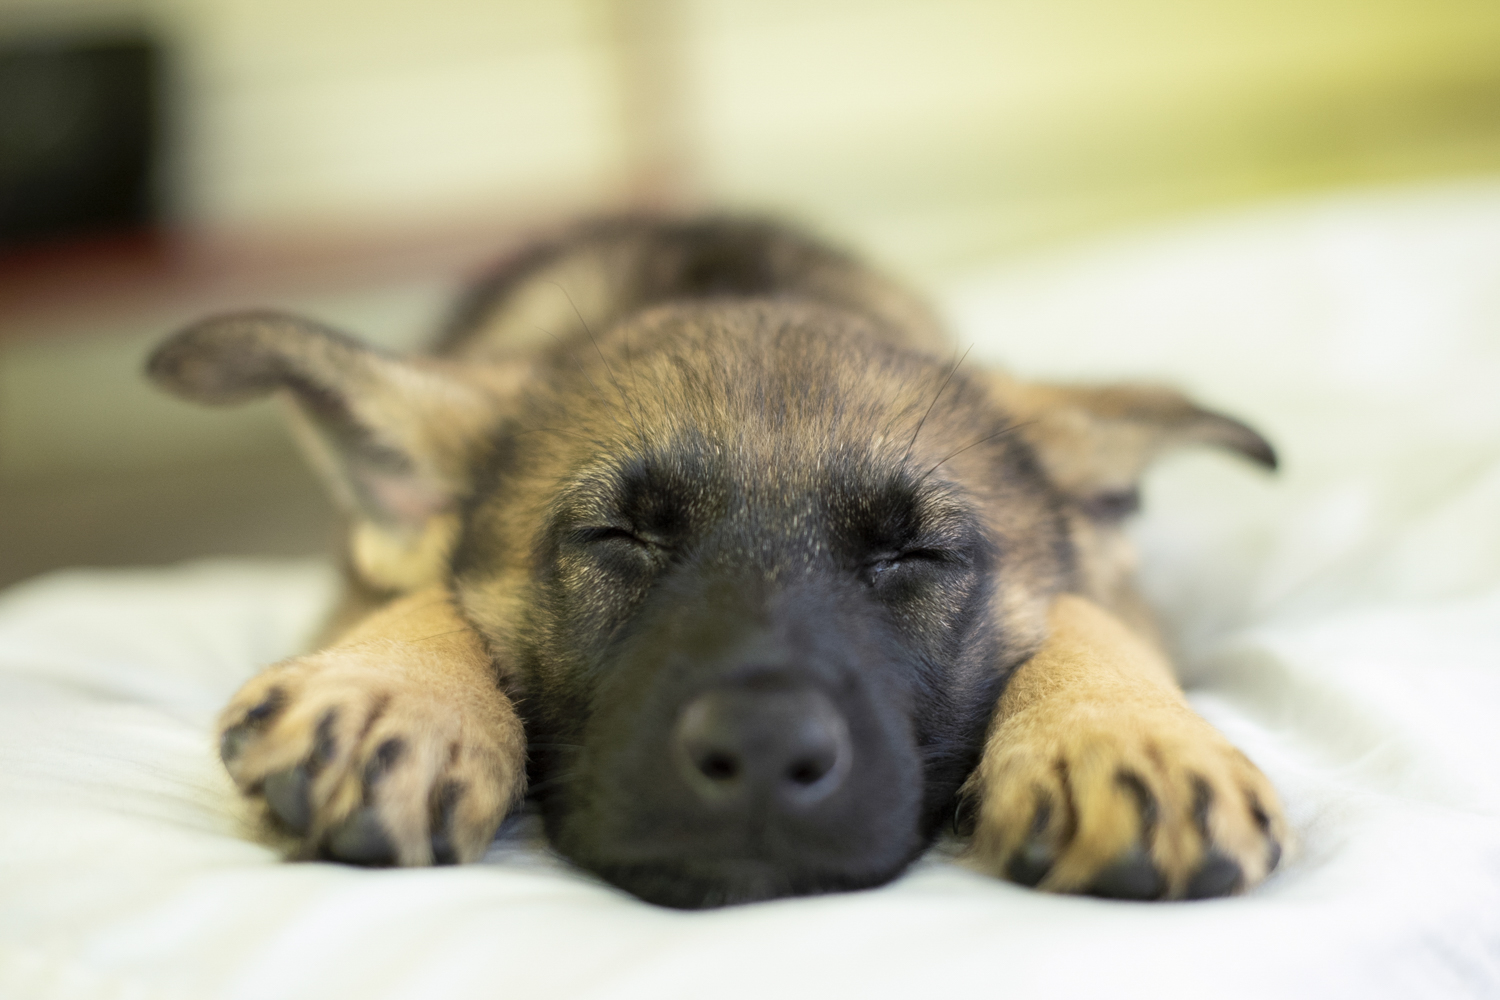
(1340, 621)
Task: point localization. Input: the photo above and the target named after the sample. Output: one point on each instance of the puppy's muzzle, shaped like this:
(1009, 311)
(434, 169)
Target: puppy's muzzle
(761, 749)
(729, 760)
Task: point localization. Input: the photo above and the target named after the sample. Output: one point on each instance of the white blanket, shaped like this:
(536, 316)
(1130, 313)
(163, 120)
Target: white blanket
(1340, 621)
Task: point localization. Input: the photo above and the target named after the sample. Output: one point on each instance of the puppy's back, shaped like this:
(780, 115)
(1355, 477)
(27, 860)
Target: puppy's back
(603, 271)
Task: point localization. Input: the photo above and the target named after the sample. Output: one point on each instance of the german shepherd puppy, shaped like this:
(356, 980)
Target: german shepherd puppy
(697, 530)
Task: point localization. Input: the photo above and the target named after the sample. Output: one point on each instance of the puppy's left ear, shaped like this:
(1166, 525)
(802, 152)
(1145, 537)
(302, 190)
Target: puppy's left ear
(394, 439)
(1096, 441)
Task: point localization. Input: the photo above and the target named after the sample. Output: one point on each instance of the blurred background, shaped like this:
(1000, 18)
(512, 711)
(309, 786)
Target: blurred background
(357, 160)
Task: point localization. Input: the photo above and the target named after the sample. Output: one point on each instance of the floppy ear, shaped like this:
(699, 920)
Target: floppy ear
(394, 439)
(1095, 441)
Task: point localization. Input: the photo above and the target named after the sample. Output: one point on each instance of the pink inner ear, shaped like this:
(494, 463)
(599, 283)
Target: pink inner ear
(405, 498)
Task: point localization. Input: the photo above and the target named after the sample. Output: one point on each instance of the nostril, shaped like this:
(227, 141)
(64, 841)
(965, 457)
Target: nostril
(719, 766)
(808, 771)
(737, 746)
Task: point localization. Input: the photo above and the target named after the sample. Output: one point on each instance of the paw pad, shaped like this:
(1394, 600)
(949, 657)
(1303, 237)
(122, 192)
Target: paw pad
(360, 840)
(1219, 875)
(1134, 876)
(286, 792)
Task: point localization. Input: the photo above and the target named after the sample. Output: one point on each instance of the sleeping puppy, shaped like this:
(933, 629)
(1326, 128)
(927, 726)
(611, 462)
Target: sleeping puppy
(698, 533)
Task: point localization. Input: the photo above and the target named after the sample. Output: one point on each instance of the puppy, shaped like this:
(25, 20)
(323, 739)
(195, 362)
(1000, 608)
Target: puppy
(698, 532)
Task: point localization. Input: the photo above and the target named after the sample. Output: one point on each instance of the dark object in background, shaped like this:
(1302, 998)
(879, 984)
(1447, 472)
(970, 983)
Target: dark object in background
(78, 137)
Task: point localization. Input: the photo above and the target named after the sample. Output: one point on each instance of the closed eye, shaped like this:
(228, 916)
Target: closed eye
(609, 533)
(884, 564)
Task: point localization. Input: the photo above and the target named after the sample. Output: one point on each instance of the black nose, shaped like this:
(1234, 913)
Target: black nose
(787, 747)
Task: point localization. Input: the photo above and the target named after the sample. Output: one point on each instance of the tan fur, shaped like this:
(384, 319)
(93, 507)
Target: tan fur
(413, 671)
(1098, 702)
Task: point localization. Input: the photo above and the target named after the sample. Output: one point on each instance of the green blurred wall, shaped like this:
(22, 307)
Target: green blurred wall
(965, 125)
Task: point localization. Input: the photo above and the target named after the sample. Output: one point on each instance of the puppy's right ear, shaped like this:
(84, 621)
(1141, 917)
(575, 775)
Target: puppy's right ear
(395, 439)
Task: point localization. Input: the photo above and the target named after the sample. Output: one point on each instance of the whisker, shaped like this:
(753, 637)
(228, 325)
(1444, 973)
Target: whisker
(951, 372)
(1011, 428)
(635, 383)
(624, 400)
(576, 359)
(423, 607)
(439, 635)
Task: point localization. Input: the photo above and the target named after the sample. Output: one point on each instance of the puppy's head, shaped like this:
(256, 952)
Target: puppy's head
(754, 575)
(763, 622)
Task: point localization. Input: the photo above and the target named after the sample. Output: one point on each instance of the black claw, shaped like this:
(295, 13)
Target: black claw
(1030, 864)
(272, 703)
(1203, 800)
(286, 794)
(1133, 876)
(232, 743)
(1034, 860)
(383, 759)
(1219, 875)
(443, 851)
(1258, 813)
(1145, 802)
(1263, 823)
(965, 815)
(444, 798)
(1069, 828)
(360, 840)
(324, 742)
(1043, 817)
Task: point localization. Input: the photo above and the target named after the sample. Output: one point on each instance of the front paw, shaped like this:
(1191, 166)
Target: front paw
(1138, 803)
(363, 763)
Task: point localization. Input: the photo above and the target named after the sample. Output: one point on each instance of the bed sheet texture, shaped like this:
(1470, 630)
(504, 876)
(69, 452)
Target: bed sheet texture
(1340, 621)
